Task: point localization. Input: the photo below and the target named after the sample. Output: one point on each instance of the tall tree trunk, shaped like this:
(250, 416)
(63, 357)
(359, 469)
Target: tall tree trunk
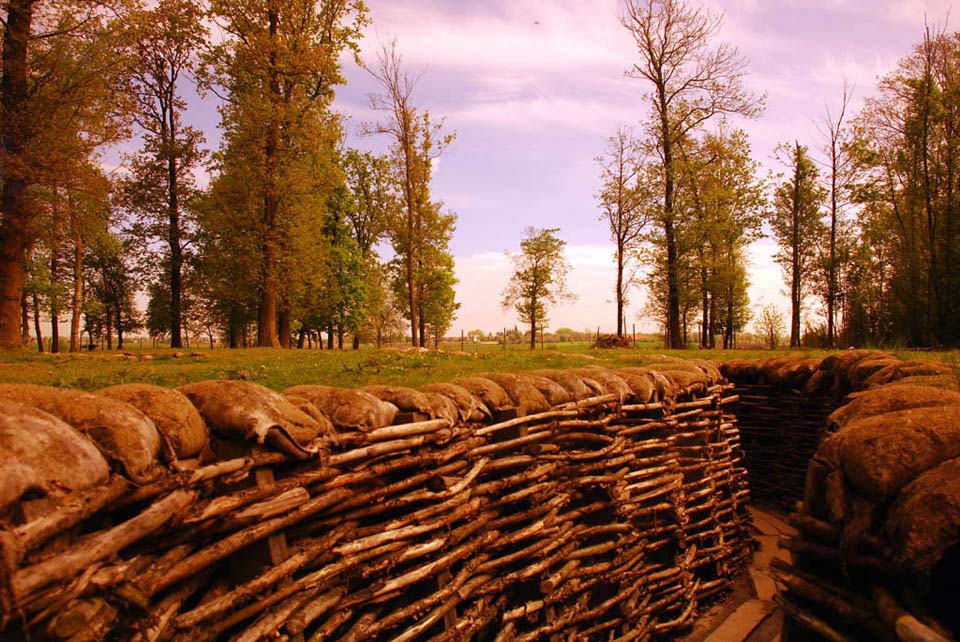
(14, 220)
(795, 290)
(267, 327)
(330, 337)
(108, 323)
(301, 337)
(77, 298)
(422, 323)
(704, 303)
(36, 322)
(173, 236)
(832, 267)
(674, 332)
(356, 340)
(533, 331)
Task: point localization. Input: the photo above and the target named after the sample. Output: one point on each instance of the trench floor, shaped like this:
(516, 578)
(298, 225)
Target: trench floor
(748, 613)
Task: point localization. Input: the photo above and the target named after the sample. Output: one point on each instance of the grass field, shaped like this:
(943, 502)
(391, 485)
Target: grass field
(278, 369)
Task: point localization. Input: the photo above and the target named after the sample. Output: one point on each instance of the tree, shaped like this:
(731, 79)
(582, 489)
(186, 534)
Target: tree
(279, 62)
(797, 228)
(691, 83)
(59, 100)
(539, 278)
(161, 186)
(416, 141)
(770, 325)
(624, 201)
(839, 165)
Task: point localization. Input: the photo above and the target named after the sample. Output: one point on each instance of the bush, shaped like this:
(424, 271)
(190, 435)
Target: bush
(612, 341)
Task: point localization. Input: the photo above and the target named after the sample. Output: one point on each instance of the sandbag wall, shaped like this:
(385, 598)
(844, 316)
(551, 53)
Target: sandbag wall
(587, 504)
(878, 551)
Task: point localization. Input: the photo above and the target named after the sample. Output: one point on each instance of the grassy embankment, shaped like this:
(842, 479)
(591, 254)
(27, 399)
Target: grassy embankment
(279, 369)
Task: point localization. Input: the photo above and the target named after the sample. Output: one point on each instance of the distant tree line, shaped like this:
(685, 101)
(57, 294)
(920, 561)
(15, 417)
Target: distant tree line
(867, 224)
(280, 248)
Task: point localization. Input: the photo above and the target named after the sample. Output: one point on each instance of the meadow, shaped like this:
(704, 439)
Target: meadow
(279, 369)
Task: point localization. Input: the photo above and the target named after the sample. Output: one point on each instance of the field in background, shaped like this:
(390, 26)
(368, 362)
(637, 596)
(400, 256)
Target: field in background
(278, 369)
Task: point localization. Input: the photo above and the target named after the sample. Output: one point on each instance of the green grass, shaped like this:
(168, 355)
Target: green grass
(279, 369)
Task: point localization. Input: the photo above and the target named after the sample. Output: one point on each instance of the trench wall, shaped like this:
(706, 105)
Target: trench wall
(614, 515)
(862, 448)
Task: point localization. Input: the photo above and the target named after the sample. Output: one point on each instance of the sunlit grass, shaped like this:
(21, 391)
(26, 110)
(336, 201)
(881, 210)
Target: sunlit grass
(278, 369)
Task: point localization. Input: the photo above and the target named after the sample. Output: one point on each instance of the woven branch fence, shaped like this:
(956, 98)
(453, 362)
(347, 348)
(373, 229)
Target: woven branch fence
(571, 505)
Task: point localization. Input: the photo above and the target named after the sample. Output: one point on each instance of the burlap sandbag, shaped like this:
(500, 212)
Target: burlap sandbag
(612, 384)
(924, 522)
(307, 408)
(553, 392)
(641, 381)
(889, 398)
(171, 412)
(122, 433)
(944, 382)
(410, 400)
(740, 370)
(820, 383)
(914, 368)
(527, 399)
(469, 407)
(687, 381)
(347, 408)
(40, 452)
(492, 395)
(839, 365)
(882, 454)
(794, 373)
(572, 383)
(863, 370)
(243, 410)
(701, 366)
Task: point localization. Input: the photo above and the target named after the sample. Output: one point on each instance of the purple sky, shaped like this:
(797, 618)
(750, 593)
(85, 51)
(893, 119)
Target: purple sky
(534, 87)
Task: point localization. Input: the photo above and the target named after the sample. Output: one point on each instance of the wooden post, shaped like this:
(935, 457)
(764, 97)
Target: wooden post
(461, 341)
(541, 338)
(504, 337)
(634, 336)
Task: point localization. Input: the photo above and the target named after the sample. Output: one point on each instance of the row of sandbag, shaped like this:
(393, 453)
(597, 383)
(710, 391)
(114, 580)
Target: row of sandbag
(178, 526)
(877, 555)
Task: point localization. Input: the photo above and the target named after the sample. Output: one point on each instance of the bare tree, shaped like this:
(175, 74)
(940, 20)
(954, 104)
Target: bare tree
(839, 164)
(623, 197)
(691, 83)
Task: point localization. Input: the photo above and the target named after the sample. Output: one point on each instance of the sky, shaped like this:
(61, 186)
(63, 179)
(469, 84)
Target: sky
(533, 88)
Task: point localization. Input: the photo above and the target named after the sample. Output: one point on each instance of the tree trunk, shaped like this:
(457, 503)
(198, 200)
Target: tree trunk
(422, 323)
(77, 280)
(620, 328)
(301, 337)
(340, 337)
(14, 221)
(36, 322)
(704, 303)
(119, 321)
(533, 332)
(330, 337)
(284, 329)
(267, 327)
(356, 340)
(795, 290)
(832, 267)
(674, 333)
(24, 319)
(108, 323)
(54, 303)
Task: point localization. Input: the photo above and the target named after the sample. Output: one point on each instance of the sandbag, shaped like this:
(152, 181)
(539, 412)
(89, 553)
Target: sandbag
(944, 382)
(612, 384)
(794, 374)
(839, 365)
(882, 454)
(307, 408)
(527, 399)
(492, 395)
(469, 407)
(889, 398)
(686, 381)
(641, 381)
(573, 384)
(170, 411)
(914, 368)
(348, 409)
(40, 452)
(553, 392)
(864, 369)
(924, 522)
(741, 370)
(123, 434)
(410, 400)
(243, 410)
